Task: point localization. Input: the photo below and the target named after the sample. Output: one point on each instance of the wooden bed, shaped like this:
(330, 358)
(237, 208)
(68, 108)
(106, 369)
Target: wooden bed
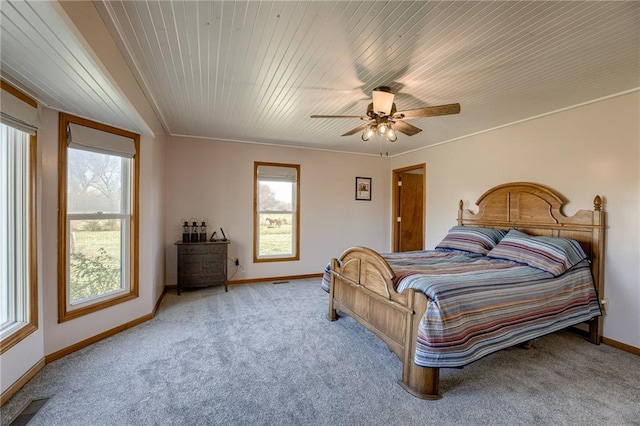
(362, 281)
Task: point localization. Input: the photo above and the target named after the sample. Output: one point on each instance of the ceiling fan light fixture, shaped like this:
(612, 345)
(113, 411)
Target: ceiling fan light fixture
(392, 135)
(368, 133)
(383, 128)
(382, 100)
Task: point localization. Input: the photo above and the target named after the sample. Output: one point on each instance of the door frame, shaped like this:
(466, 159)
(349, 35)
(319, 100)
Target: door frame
(396, 198)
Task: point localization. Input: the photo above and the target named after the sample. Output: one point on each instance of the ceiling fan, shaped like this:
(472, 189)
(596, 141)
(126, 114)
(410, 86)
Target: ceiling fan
(383, 118)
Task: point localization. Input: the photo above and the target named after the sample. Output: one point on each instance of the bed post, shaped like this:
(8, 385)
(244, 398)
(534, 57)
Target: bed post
(422, 382)
(597, 267)
(332, 315)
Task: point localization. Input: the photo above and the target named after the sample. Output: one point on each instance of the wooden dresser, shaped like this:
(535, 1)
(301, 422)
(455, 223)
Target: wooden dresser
(202, 264)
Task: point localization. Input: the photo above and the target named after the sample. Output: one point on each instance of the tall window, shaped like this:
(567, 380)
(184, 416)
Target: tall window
(98, 216)
(18, 253)
(276, 212)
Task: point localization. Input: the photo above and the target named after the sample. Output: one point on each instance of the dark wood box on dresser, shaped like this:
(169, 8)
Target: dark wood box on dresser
(202, 264)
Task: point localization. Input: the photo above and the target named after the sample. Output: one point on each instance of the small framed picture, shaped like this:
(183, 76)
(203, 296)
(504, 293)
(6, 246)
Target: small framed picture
(363, 188)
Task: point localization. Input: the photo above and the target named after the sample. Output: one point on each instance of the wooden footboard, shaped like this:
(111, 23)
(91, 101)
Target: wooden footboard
(362, 287)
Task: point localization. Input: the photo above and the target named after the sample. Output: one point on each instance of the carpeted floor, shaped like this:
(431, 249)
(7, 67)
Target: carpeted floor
(265, 354)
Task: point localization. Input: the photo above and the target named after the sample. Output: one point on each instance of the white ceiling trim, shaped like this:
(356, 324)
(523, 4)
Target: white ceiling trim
(279, 145)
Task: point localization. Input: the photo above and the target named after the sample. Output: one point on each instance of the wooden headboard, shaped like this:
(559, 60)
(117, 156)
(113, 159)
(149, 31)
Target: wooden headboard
(537, 210)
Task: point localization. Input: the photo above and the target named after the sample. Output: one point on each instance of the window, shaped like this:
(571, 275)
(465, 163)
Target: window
(18, 251)
(98, 175)
(276, 204)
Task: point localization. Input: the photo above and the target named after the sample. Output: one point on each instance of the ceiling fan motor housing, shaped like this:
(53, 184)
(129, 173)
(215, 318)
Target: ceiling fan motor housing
(377, 115)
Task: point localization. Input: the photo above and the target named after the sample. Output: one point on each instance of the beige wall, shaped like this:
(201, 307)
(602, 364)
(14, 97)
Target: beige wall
(58, 336)
(589, 150)
(214, 180)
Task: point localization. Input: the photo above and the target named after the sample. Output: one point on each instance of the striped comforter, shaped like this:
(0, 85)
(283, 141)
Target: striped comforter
(478, 305)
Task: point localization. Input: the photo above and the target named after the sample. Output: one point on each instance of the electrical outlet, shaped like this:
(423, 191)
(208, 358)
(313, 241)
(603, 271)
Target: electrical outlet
(237, 262)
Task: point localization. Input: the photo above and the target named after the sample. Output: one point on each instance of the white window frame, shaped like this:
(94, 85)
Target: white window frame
(129, 216)
(125, 241)
(19, 266)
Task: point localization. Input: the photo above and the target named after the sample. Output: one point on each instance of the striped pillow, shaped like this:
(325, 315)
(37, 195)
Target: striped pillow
(550, 254)
(470, 239)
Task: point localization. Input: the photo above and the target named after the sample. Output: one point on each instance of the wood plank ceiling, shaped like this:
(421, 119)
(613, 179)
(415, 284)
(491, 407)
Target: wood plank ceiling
(42, 54)
(255, 71)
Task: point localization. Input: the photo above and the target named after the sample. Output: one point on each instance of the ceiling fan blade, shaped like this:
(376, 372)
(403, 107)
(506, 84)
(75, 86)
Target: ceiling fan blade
(361, 117)
(406, 128)
(357, 129)
(428, 111)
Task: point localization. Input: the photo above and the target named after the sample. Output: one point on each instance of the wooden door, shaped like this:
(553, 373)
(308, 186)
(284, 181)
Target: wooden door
(409, 208)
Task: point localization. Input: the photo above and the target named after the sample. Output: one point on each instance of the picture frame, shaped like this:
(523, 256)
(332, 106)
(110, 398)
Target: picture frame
(363, 188)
